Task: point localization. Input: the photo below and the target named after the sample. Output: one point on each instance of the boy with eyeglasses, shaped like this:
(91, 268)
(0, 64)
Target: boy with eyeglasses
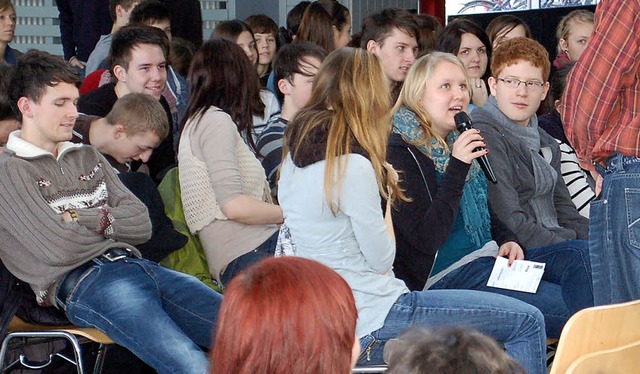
(530, 196)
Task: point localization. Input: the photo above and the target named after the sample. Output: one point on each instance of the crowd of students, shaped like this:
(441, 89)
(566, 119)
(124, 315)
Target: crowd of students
(301, 141)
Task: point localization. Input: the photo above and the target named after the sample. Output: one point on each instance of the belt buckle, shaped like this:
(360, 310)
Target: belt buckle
(113, 258)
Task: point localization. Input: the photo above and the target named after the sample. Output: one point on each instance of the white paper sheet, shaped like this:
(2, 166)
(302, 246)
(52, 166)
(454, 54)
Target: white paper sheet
(520, 276)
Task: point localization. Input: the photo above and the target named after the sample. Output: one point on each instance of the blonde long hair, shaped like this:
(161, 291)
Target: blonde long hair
(413, 90)
(351, 98)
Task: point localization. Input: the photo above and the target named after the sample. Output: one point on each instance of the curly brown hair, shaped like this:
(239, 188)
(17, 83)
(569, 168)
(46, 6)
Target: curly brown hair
(520, 49)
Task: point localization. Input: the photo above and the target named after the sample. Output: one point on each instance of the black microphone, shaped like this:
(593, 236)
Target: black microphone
(463, 123)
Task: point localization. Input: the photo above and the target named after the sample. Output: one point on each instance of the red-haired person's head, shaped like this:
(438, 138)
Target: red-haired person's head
(286, 315)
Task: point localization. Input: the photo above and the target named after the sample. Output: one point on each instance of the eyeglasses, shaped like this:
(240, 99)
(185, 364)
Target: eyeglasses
(515, 83)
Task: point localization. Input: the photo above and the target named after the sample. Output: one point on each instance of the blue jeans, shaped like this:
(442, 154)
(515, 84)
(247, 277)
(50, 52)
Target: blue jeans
(235, 267)
(160, 315)
(565, 287)
(614, 232)
(517, 325)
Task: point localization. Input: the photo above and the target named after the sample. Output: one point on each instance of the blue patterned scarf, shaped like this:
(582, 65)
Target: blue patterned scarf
(474, 202)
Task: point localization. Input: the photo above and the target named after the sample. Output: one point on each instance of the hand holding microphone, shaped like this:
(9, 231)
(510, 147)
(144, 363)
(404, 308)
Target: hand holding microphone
(463, 123)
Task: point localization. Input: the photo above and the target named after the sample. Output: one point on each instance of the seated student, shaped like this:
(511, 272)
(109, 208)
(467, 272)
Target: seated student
(449, 214)
(153, 13)
(530, 196)
(330, 187)
(225, 194)
(318, 26)
(579, 183)
(8, 16)
(392, 35)
(8, 120)
(452, 351)
(265, 32)
(120, 11)
(240, 33)
(341, 22)
(180, 54)
(134, 127)
(465, 39)
(430, 29)
(573, 33)
(284, 304)
(505, 27)
(69, 230)
(295, 67)
(139, 60)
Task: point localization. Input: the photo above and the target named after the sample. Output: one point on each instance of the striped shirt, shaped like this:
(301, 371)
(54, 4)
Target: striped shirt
(601, 105)
(576, 180)
(269, 145)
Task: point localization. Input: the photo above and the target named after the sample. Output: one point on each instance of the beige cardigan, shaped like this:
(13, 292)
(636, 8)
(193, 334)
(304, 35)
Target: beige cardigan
(216, 165)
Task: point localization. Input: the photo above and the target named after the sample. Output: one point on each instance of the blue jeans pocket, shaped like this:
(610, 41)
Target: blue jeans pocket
(632, 213)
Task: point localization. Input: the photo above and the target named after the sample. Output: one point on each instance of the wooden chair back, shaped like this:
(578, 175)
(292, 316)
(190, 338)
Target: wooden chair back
(625, 359)
(597, 329)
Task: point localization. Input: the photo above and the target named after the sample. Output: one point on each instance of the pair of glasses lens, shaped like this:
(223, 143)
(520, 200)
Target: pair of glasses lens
(515, 83)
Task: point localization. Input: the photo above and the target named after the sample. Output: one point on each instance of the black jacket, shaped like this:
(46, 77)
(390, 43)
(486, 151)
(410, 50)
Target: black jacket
(423, 225)
(16, 298)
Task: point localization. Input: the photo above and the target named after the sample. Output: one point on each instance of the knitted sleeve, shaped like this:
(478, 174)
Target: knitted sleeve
(123, 218)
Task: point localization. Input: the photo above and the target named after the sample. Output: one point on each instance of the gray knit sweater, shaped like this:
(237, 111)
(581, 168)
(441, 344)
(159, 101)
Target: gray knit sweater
(37, 246)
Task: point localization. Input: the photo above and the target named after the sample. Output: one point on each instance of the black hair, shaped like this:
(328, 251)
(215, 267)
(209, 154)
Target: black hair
(129, 37)
(378, 26)
(288, 61)
(451, 37)
(149, 11)
(34, 72)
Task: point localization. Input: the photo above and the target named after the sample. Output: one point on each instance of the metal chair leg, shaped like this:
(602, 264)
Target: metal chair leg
(41, 334)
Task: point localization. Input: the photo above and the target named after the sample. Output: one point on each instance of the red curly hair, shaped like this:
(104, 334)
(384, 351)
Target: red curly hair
(520, 49)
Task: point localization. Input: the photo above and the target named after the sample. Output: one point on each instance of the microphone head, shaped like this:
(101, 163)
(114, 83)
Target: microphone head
(463, 121)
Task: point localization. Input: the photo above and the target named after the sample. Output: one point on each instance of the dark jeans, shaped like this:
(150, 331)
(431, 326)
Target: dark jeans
(235, 267)
(565, 287)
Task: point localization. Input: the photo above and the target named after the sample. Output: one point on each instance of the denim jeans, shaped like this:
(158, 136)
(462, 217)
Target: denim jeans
(160, 315)
(517, 325)
(614, 232)
(566, 285)
(235, 267)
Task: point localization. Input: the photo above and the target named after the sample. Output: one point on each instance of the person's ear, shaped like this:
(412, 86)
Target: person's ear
(120, 73)
(556, 104)
(373, 46)
(119, 132)
(283, 86)
(493, 85)
(120, 12)
(545, 90)
(24, 106)
(564, 46)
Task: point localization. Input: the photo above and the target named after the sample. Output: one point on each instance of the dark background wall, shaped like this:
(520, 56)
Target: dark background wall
(542, 22)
